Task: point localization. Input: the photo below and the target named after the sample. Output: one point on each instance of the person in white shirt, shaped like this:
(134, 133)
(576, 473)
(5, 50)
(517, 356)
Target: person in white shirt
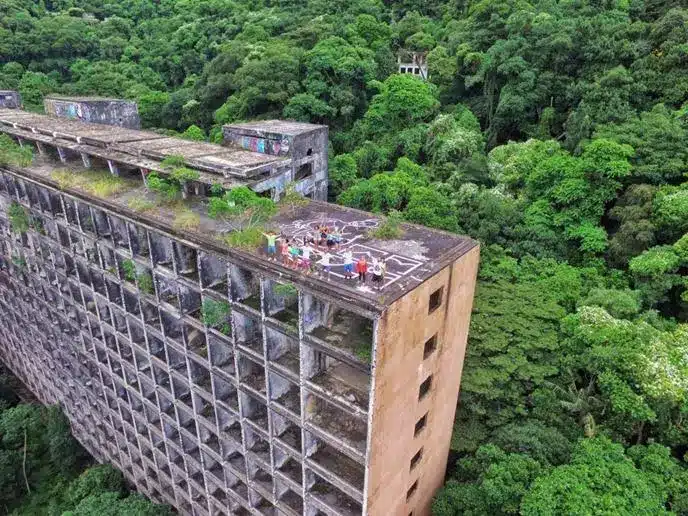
(325, 262)
(306, 252)
(377, 273)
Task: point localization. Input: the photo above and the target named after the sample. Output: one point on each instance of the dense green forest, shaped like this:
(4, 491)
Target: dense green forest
(45, 471)
(555, 132)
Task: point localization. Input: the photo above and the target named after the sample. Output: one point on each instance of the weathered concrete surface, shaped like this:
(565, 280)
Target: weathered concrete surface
(399, 370)
(10, 99)
(116, 112)
(305, 144)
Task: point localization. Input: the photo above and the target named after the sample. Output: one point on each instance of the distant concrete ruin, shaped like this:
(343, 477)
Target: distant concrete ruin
(216, 378)
(10, 99)
(117, 112)
(265, 156)
(414, 63)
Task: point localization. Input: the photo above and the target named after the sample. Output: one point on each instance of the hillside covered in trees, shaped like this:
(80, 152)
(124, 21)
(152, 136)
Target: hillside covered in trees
(555, 132)
(45, 471)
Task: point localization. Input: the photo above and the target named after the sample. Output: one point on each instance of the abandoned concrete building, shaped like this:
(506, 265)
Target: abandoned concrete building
(303, 394)
(414, 63)
(265, 156)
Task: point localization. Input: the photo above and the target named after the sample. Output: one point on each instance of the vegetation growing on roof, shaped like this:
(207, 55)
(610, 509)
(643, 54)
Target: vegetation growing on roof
(185, 218)
(389, 227)
(99, 183)
(242, 203)
(12, 153)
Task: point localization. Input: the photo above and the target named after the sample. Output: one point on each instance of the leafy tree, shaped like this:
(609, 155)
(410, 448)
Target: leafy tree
(638, 369)
(636, 230)
(513, 347)
(33, 86)
(600, 479)
(193, 132)
(660, 141)
(498, 481)
(342, 174)
(622, 304)
(404, 101)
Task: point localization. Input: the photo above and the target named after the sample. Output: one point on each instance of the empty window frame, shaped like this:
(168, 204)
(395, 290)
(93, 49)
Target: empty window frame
(435, 300)
(430, 347)
(425, 388)
(415, 460)
(420, 425)
(411, 490)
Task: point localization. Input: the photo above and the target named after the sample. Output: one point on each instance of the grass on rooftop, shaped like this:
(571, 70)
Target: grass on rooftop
(185, 218)
(99, 183)
(140, 204)
(248, 238)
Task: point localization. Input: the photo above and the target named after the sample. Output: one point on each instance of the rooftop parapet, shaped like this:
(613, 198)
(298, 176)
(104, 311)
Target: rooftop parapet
(10, 99)
(114, 112)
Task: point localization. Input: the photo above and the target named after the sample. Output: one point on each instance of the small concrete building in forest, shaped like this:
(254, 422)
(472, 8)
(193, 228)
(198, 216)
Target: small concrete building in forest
(219, 379)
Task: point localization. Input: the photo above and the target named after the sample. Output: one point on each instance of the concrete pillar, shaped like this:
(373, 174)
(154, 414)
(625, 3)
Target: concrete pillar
(86, 160)
(144, 175)
(41, 149)
(114, 169)
(62, 154)
(276, 194)
(20, 141)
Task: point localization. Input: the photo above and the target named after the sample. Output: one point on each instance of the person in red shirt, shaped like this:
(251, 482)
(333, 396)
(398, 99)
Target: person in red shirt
(362, 269)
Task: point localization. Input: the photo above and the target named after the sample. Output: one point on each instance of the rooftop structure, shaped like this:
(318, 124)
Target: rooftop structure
(221, 380)
(116, 112)
(229, 165)
(10, 99)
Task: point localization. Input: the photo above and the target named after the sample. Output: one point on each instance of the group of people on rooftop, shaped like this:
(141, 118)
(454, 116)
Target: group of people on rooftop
(299, 254)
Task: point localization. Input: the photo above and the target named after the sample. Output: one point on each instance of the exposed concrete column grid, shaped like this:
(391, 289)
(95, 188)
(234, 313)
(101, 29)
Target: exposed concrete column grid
(214, 387)
(125, 367)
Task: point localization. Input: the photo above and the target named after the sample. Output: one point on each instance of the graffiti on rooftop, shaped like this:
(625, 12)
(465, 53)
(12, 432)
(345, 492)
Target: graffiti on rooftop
(352, 236)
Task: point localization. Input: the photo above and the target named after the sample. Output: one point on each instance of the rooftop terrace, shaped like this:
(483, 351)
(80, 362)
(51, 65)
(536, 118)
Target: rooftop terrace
(417, 255)
(140, 148)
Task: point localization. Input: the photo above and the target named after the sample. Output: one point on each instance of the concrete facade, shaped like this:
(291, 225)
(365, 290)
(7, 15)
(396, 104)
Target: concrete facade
(115, 112)
(305, 144)
(10, 99)
(302, 395)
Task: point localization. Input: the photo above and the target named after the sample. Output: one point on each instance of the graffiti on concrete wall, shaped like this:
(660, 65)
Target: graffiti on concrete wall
(64, 109)
(270, 146)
